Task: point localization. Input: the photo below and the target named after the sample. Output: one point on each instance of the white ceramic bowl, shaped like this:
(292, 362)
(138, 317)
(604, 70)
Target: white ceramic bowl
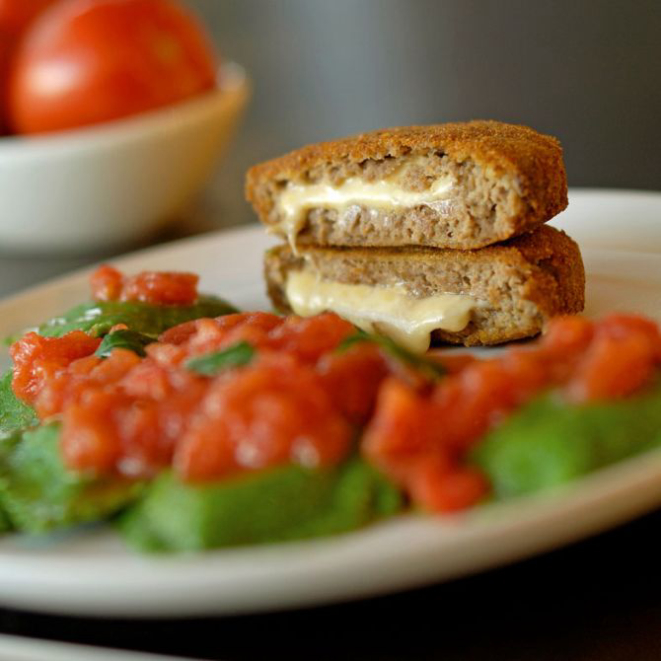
(102, 186)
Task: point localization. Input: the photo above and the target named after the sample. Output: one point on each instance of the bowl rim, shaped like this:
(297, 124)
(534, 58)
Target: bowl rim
(232, 87)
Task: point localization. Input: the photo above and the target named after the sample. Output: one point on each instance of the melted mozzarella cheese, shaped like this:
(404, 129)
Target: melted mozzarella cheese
(390, 310)
(297, 199)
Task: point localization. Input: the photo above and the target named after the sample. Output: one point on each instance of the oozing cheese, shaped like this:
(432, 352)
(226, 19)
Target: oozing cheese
(388, 310)
(297, 199)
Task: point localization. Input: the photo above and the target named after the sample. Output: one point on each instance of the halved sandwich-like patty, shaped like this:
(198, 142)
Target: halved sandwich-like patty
(478, 297)
(462, 186)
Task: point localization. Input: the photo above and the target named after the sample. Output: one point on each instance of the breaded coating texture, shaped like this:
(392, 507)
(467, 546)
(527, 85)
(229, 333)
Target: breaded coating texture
(505, 179)
(521, 283)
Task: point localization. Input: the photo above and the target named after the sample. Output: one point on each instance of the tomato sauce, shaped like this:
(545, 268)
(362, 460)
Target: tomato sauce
(302, 396)
(134, 416)
(421, 439)
(38, 360)
(155, 287)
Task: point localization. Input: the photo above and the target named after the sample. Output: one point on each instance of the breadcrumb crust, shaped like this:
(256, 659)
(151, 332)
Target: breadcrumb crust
(524, 281)
(526, 161)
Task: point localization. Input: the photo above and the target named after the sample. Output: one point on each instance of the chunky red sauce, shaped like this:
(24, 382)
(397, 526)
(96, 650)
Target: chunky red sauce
(421, 439)
(156, 287)
(298, 399)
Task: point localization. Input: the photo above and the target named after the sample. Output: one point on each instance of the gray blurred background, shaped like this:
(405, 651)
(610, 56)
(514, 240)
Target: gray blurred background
(587, 71)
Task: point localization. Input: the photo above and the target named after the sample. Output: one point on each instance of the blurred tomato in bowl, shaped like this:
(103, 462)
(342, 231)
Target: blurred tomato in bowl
(15, 17)
(86, 62)
(119, 110)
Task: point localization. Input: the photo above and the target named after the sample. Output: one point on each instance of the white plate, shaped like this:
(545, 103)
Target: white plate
(90, 572)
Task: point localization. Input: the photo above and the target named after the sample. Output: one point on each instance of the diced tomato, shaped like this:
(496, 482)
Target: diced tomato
(567, 335)
(145, 447)
(37, 359)
(623, 325)
(614, 367)
(300, 400)
(205, 335)
(400, 428)
(72, 383)
(280, 408)
(209, 335)
(439, 487)
(181, 333)
(306, 338)
(116, 366)
(161, 288)
(146, 409)
(106, 283)
(82, 367)
(309, 338)
(155, 287)
(352, 378)
(177, 411)
(59, 388)
(254, 328)
(420, 439)
(166, 354)
(529, 372)
(471, 402)
(262, 320)
(452, 362)
(149, 380)
(272, 412)
(410, 444)
(623, 357)
(89, 438)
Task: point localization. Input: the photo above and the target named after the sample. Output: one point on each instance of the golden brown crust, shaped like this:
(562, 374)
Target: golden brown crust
(558, 285)
(526, 280)
(534, 161)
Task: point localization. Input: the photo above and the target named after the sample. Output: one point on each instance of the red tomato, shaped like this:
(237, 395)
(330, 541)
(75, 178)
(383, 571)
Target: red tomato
(85, 62)
(613, 368)
(161, 288)
(15, 15)
(272, 412)
(156, 287)
(106, 283)
(447, 489)
(352, 378)
(37, 358)
(5, 51)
